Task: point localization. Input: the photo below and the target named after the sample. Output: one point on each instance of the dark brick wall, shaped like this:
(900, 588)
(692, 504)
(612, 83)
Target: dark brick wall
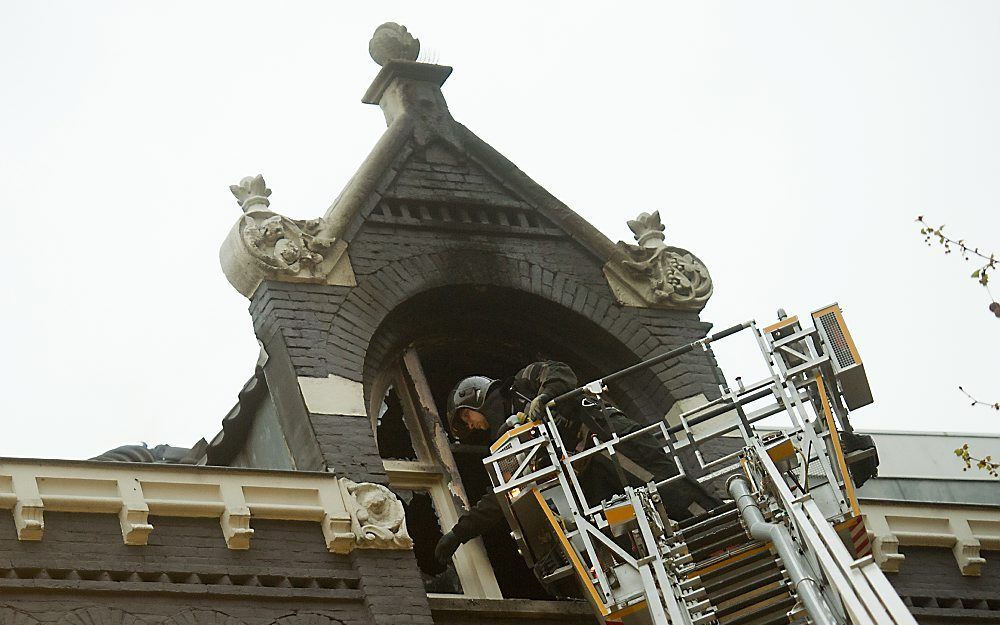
(936, 592)
(393, 589)
(460, 611)
(440, 176)
(394, 264)
(82, 564)
(349, 448)
(300, 316)
(341, 336)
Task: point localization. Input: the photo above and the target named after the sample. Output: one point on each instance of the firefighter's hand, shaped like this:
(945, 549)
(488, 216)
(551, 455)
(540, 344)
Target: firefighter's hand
(446, 548)
(536, 409)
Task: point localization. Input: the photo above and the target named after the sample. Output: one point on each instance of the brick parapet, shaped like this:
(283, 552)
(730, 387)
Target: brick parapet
(184, 572)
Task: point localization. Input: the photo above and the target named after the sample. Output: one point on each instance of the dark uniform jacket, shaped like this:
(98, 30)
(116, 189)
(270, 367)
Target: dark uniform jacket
(549, 377)
(600, 479)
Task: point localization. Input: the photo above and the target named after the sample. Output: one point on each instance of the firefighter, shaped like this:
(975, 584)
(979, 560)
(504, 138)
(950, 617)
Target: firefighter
(479, 410)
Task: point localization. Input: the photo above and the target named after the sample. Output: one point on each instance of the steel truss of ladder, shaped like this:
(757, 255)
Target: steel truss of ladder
(791, 485)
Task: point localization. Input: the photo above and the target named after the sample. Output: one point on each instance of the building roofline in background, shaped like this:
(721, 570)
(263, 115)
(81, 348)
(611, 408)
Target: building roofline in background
(932, 433)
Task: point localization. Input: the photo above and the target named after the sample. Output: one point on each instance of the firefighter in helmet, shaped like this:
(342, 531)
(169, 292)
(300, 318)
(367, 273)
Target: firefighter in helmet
(480, 409)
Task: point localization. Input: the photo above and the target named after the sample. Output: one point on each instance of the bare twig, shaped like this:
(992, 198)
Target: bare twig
(982, 274)
(976, 402)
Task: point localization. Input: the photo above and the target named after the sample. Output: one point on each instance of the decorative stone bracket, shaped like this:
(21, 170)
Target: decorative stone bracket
(352, 516)
(655, 275)
(264, 245)
(377, 516)
(963, 529)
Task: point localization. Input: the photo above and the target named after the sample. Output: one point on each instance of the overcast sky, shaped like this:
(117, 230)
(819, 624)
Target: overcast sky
(789, 145)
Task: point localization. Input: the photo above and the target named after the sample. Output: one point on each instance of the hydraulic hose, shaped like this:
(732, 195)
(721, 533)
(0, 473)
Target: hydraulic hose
(804, 584)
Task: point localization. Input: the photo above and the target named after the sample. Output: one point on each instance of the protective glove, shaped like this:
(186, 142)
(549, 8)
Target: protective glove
(446, 548)
(536, 409)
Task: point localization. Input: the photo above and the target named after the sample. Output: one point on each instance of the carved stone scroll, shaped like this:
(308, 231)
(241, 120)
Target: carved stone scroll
(655, 275)
(377, 516)
(264, 245)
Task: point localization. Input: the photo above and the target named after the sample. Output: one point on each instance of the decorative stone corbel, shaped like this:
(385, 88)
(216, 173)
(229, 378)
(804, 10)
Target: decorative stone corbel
(264, 245)
(966, 549)
(339, 535)
(28, 509)
(886, 552)
(235, 519)
(885, 544)
(378, 520)
(967, 556)
(134, 513)
(655, 275)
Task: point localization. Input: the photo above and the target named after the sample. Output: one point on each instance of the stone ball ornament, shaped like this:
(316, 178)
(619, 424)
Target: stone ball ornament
(392, 42)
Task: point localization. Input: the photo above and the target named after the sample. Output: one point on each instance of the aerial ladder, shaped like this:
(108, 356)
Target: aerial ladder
(788, 546)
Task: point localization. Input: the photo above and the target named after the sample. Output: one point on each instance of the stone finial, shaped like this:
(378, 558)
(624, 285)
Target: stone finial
(648, 229)
(655, 275)
(391, 42)
(378, 519)
(251, 191)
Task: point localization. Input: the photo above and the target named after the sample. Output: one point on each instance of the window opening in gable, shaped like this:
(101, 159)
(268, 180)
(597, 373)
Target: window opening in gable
(422, 521)
(451, 333)
(393, 439)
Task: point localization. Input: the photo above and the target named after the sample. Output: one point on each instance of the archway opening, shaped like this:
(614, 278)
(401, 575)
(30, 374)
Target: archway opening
(458, 331)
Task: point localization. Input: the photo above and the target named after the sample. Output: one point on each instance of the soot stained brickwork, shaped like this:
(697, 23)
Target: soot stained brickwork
(439, 175)
(348, 447)
(336, 330)
(336, 336)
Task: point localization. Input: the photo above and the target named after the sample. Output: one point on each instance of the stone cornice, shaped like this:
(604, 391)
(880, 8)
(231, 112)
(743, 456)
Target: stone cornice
(964, 529)
(351, 515)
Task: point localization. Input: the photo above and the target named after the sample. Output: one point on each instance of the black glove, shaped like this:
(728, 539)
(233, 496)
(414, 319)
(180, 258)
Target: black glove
(536, 409)
(446, 548)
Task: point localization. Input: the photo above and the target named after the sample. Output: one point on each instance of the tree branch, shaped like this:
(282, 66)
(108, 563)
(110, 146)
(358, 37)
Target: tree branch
(986, 463)
(981, 275)
(976, 402)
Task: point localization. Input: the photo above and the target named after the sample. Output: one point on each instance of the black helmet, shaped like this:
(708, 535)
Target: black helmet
(471, 393)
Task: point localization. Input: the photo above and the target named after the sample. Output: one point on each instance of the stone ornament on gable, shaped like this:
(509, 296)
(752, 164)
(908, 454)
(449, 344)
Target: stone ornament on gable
(378, 519)
(392, 42)
(264, 245)
(655, 275)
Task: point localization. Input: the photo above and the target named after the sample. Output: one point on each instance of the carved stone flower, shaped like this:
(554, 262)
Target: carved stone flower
(251, 191)
(647, 229)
